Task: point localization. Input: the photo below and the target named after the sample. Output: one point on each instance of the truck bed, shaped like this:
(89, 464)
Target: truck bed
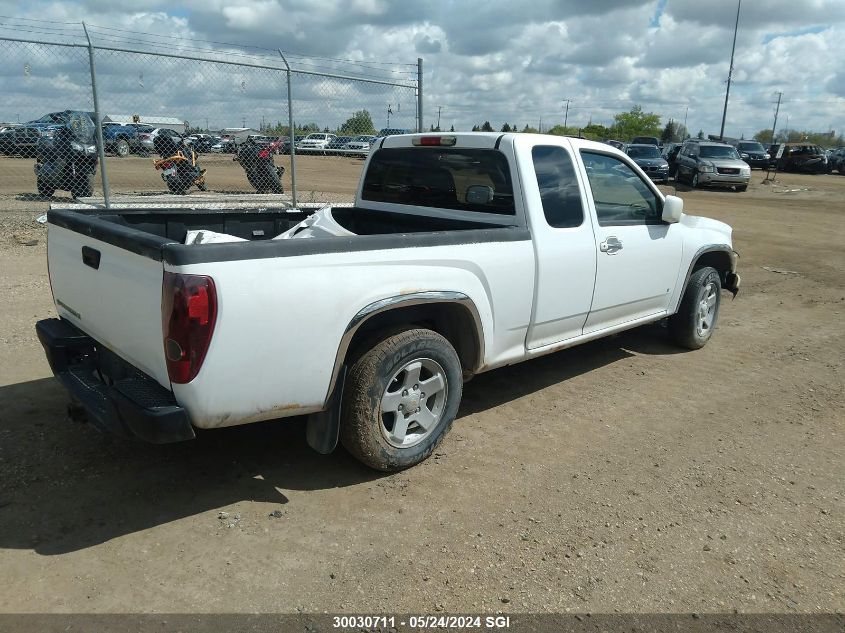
(160, 233)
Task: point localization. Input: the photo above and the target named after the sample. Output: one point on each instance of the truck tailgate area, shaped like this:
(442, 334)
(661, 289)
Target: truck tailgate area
(111, 294)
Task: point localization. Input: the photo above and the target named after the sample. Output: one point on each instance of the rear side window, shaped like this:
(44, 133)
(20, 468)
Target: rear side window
(447, 178)
(558, 185)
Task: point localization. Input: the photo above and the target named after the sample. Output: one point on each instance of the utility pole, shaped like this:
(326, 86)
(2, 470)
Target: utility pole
(566, 115)
(438, 116)
(730, 72)
(686, 112)
(775, 124)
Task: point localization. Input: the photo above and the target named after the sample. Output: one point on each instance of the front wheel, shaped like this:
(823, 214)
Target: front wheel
(693, 324)
(83, 186)
(45, 190)
(742, 187)
(694, 181)
(400, 399)
(175, 185)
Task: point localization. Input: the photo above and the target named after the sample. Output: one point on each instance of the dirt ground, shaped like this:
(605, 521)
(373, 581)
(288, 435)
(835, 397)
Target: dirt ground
(622, 475)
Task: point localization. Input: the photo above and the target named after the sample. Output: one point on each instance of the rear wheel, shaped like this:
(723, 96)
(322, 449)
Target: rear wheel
(121, 148)
(400, 399)
(694, 323)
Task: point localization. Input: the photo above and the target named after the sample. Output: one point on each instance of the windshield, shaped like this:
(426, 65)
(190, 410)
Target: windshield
(717, 151)
(750, 147)
(649, 151)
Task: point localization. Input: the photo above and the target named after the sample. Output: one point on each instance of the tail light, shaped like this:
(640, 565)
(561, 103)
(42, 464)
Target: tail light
(164, 165)
(188, 314)
(264, 153)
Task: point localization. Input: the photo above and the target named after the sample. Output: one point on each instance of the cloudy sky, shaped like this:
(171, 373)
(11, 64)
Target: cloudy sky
(514, 61)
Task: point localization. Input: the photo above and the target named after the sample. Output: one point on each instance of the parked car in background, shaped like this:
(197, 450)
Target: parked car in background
(147, 139)
(316, 142)
(361, 143)
(752, 153)
(390, 131)
(803, 157)
(836, 160)
(224, 145)
(7, 141)
(338, 142)
(202, 143)
(616, 144)
(121, 139)
(650, 161)
(711, 163)
(26, 139)
(284, 143)
(670, 155)
(646, 140)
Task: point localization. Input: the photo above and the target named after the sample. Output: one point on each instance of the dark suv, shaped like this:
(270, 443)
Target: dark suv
(752, 153)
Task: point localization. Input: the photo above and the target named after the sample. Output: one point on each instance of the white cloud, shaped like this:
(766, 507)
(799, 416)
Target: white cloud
(509, 61)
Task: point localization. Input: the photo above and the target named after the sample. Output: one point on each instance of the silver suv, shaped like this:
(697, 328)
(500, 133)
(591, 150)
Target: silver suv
(710, 163)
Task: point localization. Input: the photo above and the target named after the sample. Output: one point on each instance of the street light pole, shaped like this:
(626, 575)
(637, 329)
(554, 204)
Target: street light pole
(730, 72)
(566, 115)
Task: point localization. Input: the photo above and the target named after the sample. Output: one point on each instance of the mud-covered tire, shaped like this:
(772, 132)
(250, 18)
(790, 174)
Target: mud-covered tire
(691, 327)
(45, 190)
(83, 187)
(121, 148)
(742, 188)
(693, 181)
(368, 426)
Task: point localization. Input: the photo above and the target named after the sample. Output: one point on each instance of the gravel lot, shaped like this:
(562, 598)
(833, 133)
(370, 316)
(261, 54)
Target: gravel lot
(622, 475)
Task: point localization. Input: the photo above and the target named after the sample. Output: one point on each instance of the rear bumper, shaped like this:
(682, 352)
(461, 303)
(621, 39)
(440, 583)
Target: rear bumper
(117, 397)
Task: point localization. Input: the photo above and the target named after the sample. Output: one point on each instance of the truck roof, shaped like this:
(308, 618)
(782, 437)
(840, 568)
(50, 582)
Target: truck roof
(485, 140)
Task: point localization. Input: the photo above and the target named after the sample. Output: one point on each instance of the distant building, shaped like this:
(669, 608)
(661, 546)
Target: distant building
(157, 121)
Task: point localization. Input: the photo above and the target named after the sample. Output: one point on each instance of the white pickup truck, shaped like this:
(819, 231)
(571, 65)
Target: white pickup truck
(462, 253)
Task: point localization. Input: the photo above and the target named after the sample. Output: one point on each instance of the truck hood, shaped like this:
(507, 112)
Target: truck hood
(708, 224)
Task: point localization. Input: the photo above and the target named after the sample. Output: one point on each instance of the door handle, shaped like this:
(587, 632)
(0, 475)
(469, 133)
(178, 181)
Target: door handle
(611, 245)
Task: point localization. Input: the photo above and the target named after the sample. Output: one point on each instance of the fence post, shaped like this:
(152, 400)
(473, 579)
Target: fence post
(291, 133)
(98, 123)
(420, 95)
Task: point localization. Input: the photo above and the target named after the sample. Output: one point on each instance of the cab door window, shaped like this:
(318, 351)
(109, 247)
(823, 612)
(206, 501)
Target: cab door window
(620, 195)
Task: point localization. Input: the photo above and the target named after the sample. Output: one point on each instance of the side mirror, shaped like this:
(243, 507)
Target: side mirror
(479, 194)
(673, 209)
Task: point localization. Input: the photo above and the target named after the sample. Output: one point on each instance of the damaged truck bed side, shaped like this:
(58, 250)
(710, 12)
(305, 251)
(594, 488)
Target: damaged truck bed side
(463, 253)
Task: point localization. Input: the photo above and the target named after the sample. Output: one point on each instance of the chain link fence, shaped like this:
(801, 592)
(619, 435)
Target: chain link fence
(208, 125)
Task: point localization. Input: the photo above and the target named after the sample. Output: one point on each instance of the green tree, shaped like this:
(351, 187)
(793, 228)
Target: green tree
(529, 130)
(763, 136)
(595, 132)
(359, 123)
(700, 134)
(635, 123)
(475, 128)
(452, 129)
(486, 127)
(506, 128)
